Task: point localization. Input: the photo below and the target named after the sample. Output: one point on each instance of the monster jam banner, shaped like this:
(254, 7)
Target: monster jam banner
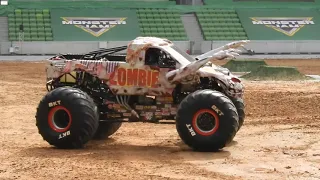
(280, 24)
(94, 25)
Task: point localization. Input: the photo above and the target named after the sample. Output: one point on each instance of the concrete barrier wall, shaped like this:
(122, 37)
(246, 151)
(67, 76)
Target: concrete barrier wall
(55, 47)
(278, 47)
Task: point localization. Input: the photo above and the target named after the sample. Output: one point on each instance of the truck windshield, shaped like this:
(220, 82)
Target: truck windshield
(184, 54)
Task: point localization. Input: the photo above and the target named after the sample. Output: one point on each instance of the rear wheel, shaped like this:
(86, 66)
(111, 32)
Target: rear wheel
(66, 118)
(240, 109)
(106, 129)
(207, 120)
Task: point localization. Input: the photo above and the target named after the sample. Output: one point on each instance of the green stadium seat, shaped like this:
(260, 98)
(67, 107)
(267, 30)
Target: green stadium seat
(11, 25)
(34, 38)
(32, 16)
(40, 24)
(40, 29)
(46, 11)
(12, 34)
(13, 38)
(161, 23)
(17, 11)
(46, 15)
(41, 33)
(11, 20)
(18, 20)
(31, 11)
(27, 35)
(242, 33)
(33, 25)
(26, 29)
(48, 34)
(33, 20)
(39, 20)
(33, 34)
(27, 38)
(25, 21)
(24, 11)
(39, 11)
(39, 16)
(12, 29)
(144, 16)
(11, 15)
(49, 38)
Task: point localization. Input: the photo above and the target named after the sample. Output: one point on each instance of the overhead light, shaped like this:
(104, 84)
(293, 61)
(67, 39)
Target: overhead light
(4, 2)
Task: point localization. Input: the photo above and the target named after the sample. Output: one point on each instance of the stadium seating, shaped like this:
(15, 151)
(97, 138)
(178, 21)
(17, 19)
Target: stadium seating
(161, 23)
(37, 24)
(216, 24)
(220, 24)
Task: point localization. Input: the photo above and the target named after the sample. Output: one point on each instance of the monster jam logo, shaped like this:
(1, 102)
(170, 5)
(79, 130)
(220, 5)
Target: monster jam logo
(94, 25)
(286, 25)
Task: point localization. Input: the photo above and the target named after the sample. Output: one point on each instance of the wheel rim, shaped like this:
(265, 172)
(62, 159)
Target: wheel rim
(205, 122)
(59, 119)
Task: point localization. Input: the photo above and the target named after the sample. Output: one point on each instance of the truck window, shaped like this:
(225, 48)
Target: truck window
(157, 57)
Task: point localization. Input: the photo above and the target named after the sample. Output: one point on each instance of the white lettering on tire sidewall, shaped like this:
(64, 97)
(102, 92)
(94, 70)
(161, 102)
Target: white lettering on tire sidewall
(64, 134)
(217, 110)
(192, 132)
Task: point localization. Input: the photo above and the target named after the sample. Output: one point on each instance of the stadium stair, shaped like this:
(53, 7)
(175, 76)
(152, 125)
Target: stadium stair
(163, 23)
(37, 24)
(3, 29)
(220, 24)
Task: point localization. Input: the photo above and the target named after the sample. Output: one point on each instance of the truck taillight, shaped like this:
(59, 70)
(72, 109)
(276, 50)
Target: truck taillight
(235, 80)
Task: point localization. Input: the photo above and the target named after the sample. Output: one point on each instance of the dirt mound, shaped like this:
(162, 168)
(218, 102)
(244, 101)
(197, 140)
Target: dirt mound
(244, 65)
(279, 140)
(282, 73)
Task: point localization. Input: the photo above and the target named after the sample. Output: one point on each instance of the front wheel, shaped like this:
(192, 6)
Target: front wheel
(67, 118)
(207, 120)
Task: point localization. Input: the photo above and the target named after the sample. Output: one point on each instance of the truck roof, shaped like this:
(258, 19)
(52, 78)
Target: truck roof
(140, 42)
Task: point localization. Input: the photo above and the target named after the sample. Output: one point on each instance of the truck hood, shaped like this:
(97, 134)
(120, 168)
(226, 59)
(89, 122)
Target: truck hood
(201, 68)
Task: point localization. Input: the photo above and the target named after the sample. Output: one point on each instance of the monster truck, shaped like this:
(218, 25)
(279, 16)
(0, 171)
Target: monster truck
(91, 95)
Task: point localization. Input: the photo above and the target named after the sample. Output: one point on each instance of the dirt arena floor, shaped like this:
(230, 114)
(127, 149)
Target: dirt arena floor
(279, 140)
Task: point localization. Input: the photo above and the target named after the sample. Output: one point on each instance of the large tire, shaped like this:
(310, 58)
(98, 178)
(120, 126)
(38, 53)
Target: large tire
(238, 102)
(207, 120)
(67, 118)
(106, 129)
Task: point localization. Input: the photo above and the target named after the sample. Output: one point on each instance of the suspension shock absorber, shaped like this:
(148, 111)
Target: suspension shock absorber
(124, 100)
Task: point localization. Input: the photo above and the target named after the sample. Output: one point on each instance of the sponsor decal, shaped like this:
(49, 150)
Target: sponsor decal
(116, 106)
(113, 115)
(148, 115)
(139, 107)
(165, 99)
(134, 77)
(126, 114)
(94, 25)
(286, 25)
(149, 107)
(165, 113)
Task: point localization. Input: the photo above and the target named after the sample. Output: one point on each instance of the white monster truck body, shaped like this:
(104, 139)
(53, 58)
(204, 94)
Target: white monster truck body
(155, 81)
(134, 77)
